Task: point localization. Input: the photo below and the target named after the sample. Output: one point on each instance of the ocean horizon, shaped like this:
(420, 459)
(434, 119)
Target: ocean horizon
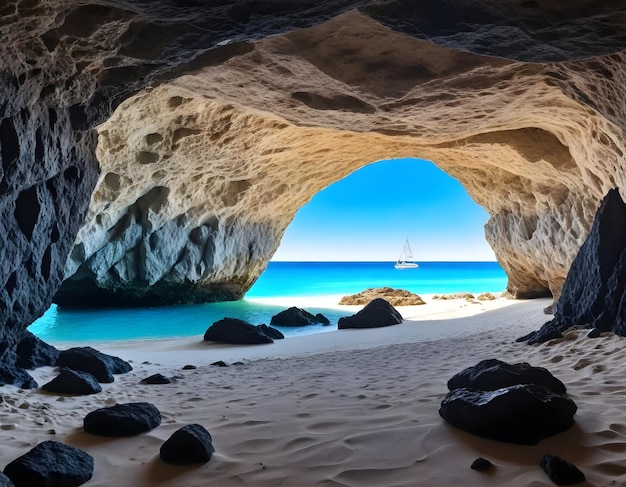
(281, 279)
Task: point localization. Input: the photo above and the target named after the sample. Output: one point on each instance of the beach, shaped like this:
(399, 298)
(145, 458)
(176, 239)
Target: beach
(343, 408)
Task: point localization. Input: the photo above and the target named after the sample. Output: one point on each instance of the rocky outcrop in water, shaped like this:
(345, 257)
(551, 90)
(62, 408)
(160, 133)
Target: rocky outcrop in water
(199, 175)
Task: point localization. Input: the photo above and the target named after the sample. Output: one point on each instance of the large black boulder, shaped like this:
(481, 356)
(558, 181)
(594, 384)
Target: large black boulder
(237, 332)
(188, 445)
(122, 419)
(594, 291)
(377, 313)
(522, 414)
(96, 363)
(271, 332)
(32, 352)
(73, 382)
(297, 317)
(492, 374)
(51, 464)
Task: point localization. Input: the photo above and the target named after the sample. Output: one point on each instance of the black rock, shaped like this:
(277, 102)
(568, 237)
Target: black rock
(17, 376)
(492, 374)
(594, 291)
(189, 367)
(481, 464)
(122, 419)
(33, 352)
(594, 333)
(560, 471)
(220, 363)
(271, 332)
(235, 331)
(297, 317)
(322, 319)
(522, 414)
(156, 379)
(51, 464)
(98, 364)
(377, 313)
(5, 481)
(73, 382)
(188, 445)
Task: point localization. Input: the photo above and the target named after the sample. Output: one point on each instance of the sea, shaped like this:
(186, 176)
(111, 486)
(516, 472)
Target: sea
(288, 280)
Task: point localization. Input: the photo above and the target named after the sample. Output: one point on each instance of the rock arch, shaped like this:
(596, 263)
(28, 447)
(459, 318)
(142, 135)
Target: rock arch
(243, 145)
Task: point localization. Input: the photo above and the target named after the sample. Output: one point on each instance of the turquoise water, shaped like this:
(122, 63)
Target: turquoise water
(281, 279)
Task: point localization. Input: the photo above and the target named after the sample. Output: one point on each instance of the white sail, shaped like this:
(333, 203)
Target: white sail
(406, 261)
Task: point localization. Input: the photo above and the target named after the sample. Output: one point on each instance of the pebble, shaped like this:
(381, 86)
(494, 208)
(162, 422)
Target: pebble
(8, 426)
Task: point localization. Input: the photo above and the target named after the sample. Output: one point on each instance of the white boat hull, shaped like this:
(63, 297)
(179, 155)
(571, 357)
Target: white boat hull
(406, 266)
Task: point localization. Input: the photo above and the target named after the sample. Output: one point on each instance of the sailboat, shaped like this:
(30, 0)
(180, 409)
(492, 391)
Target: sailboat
(405, 261)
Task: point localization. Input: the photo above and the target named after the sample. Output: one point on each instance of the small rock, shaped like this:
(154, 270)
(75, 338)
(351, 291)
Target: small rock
(188, 445)
(297, 317)
(5, 481)
(156, 379)
(8, 426)
(90, 360)
(375, 314)
(560, 471)
(220, 363)
(486, 297)
(481, 464)
(236, 332)
(594, 333)
(189, 367)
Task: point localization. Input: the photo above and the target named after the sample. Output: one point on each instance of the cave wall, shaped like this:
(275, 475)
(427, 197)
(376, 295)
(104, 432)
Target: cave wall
(232, 151)
(64, 68)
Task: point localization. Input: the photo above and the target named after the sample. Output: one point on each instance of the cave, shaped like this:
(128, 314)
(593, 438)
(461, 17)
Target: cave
(112, 119)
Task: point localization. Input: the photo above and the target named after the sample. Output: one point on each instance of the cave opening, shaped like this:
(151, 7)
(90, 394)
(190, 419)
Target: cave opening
(358, 225)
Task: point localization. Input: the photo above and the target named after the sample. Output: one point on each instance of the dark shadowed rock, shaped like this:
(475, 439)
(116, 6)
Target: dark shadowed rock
(376, 313)
(5, 481)
(189, 367)
(188, 445)
(51, 464)
(481, 464)
(594, 333)
(271, 332)
(560, 471)
(492, 374)
(156, 379)
(297, 317)
(33, 352)
(98, 364)
(522, 414)
(122, 419)
(594, 292)
(73, 382)
(11, 375)
(237, 332)
(220, 363)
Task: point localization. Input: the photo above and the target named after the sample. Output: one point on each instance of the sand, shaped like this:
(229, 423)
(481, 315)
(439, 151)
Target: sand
(344, 408)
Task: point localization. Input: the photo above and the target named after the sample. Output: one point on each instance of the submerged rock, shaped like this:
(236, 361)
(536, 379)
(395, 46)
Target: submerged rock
(395, 297)
(377, 313)
(237, 332)
(297, 317)
(51, 464)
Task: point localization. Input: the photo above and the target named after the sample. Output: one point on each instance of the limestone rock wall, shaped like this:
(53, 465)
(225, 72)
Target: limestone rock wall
(200, 177)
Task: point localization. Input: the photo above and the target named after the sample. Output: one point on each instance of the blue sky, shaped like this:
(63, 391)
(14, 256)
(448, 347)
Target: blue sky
(368, 215)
